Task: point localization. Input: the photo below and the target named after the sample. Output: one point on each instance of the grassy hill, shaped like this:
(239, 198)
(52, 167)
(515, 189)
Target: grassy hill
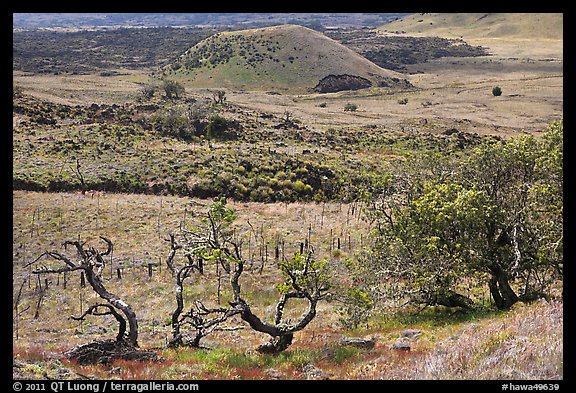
(286, 57)
(535, 36)
(481, 25)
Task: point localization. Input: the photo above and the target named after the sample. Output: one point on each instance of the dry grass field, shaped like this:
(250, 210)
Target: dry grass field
(526, 342)
(450, 92)
(523, 343)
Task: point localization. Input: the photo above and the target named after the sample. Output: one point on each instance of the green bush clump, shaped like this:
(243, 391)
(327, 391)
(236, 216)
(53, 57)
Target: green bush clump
(221, 128)
(173, 121)
(173, 89)
(349, 107)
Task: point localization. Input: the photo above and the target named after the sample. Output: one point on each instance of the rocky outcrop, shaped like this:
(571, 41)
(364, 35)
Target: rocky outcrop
(362, 343)
(407, 336)
(334, 83)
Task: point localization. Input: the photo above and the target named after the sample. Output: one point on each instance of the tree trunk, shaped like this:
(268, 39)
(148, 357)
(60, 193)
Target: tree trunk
(176, 340)
(276, 344)
(503, 295)
(450, 298)
(99, 288)
(111, 311)
(181, 275)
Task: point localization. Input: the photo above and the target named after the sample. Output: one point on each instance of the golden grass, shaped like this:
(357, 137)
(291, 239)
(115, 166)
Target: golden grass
(451, 93)
(525, 343)
(139, 225)
(481, 25)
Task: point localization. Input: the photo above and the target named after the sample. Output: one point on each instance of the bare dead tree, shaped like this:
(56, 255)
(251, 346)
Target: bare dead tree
(80, 176)
(93, 310)
(202, 319)
(91, 262)
(41, 294)
(17, 310)
(204, 323)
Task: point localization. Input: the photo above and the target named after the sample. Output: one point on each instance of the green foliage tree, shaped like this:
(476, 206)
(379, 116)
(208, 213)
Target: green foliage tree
(496, 91)
(418, 249)
(493, 216)
(172, 88)
(522, 236)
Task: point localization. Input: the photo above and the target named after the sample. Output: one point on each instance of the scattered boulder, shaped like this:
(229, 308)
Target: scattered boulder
(402, 344)
(407, 336)
(273, 373)
(358, 342)
(311, 372)
(411, 334)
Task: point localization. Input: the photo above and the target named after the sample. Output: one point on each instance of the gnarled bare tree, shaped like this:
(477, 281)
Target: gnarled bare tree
(91, 262)
(203, 320)
(304, 278)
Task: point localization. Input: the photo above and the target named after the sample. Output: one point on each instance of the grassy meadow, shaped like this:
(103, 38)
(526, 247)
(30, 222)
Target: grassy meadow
(92, 156)
(525, 343)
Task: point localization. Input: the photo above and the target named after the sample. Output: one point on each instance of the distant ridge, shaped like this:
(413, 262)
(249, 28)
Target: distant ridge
(284, 57)
(481, 25)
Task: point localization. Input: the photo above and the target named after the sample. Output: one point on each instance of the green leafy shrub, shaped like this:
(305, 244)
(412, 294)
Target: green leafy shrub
(349, 107)
(221, 128)
(173, 121)
(172, 88)
(148, 91)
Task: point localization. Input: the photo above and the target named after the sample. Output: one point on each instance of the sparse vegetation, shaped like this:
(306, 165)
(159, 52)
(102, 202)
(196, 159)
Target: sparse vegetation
(391, 52)
(148, 91)
(350, 107)
(172, 89)
(88, 51)
(264, 228)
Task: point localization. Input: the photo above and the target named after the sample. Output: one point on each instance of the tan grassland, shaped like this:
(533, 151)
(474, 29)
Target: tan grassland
(451, 92)
(524, 343)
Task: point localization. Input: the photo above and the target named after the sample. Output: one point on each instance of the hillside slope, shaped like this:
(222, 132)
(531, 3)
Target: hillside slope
(512, 35)
(481, 25)
(286, 57)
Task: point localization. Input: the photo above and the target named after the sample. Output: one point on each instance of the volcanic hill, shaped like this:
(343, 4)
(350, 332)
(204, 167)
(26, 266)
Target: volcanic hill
(281, 58)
